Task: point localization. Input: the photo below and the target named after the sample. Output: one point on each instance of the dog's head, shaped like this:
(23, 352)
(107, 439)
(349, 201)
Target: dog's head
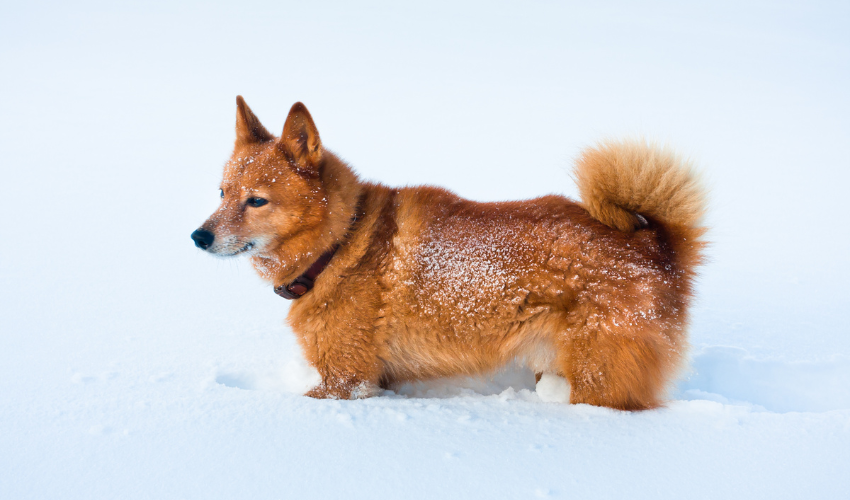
(271, 189)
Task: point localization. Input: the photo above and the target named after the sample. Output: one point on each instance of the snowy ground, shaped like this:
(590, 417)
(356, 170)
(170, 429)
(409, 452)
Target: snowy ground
(133, 366)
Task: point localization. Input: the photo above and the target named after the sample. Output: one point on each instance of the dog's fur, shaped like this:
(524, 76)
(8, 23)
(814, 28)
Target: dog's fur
(426, 284)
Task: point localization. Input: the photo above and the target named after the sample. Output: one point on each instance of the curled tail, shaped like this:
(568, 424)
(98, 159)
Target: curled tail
(622, 181)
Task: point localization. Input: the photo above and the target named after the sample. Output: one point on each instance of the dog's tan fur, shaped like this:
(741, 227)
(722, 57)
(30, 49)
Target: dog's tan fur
(426, 284)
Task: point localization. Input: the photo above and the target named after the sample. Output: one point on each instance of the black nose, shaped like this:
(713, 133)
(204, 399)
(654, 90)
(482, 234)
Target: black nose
(203, 238)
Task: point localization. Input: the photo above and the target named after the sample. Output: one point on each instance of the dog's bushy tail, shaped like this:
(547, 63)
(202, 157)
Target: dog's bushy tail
(620, 181)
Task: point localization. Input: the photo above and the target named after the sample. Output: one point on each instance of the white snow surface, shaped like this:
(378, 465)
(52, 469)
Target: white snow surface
(132, 365)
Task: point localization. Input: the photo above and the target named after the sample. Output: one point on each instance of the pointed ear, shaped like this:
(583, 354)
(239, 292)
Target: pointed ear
(300, 137)
(248, 127)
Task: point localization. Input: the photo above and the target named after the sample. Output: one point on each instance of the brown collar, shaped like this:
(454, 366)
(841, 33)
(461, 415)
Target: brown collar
(304, 283)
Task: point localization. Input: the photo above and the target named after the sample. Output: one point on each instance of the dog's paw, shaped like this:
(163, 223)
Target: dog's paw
(365, 390)
(361, 390)
(321, 392)
(553, 388)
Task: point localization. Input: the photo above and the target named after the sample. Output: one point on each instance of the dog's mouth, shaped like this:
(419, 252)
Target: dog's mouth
(244, 249)
(232, 245)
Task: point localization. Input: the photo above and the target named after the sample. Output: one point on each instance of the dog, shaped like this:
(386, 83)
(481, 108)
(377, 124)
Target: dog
(403, 284)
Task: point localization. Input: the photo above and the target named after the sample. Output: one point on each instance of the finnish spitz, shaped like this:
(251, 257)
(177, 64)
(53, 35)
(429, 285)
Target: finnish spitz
(400, 284)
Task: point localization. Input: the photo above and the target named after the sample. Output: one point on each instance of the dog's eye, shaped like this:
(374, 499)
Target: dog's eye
(221, 192)
(256, 202)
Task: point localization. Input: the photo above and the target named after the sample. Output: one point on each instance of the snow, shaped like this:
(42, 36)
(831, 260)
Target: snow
(134, 366)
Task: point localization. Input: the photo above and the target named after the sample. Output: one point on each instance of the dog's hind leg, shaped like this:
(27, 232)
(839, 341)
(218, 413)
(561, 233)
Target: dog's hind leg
(607, 365)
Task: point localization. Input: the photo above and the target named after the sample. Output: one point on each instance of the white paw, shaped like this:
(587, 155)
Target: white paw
(553, 389)
(365, 390)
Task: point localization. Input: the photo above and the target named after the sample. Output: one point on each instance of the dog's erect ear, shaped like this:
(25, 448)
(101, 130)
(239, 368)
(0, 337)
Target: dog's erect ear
(300, 137)
(248, 127)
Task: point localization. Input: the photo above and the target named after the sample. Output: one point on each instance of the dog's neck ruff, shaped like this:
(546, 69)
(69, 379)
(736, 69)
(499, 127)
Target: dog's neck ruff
(305, 282)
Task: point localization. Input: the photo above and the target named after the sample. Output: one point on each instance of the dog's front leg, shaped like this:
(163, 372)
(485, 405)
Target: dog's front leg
(347, 362)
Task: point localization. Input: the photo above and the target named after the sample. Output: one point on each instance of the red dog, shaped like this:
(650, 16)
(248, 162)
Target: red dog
(397, 284)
